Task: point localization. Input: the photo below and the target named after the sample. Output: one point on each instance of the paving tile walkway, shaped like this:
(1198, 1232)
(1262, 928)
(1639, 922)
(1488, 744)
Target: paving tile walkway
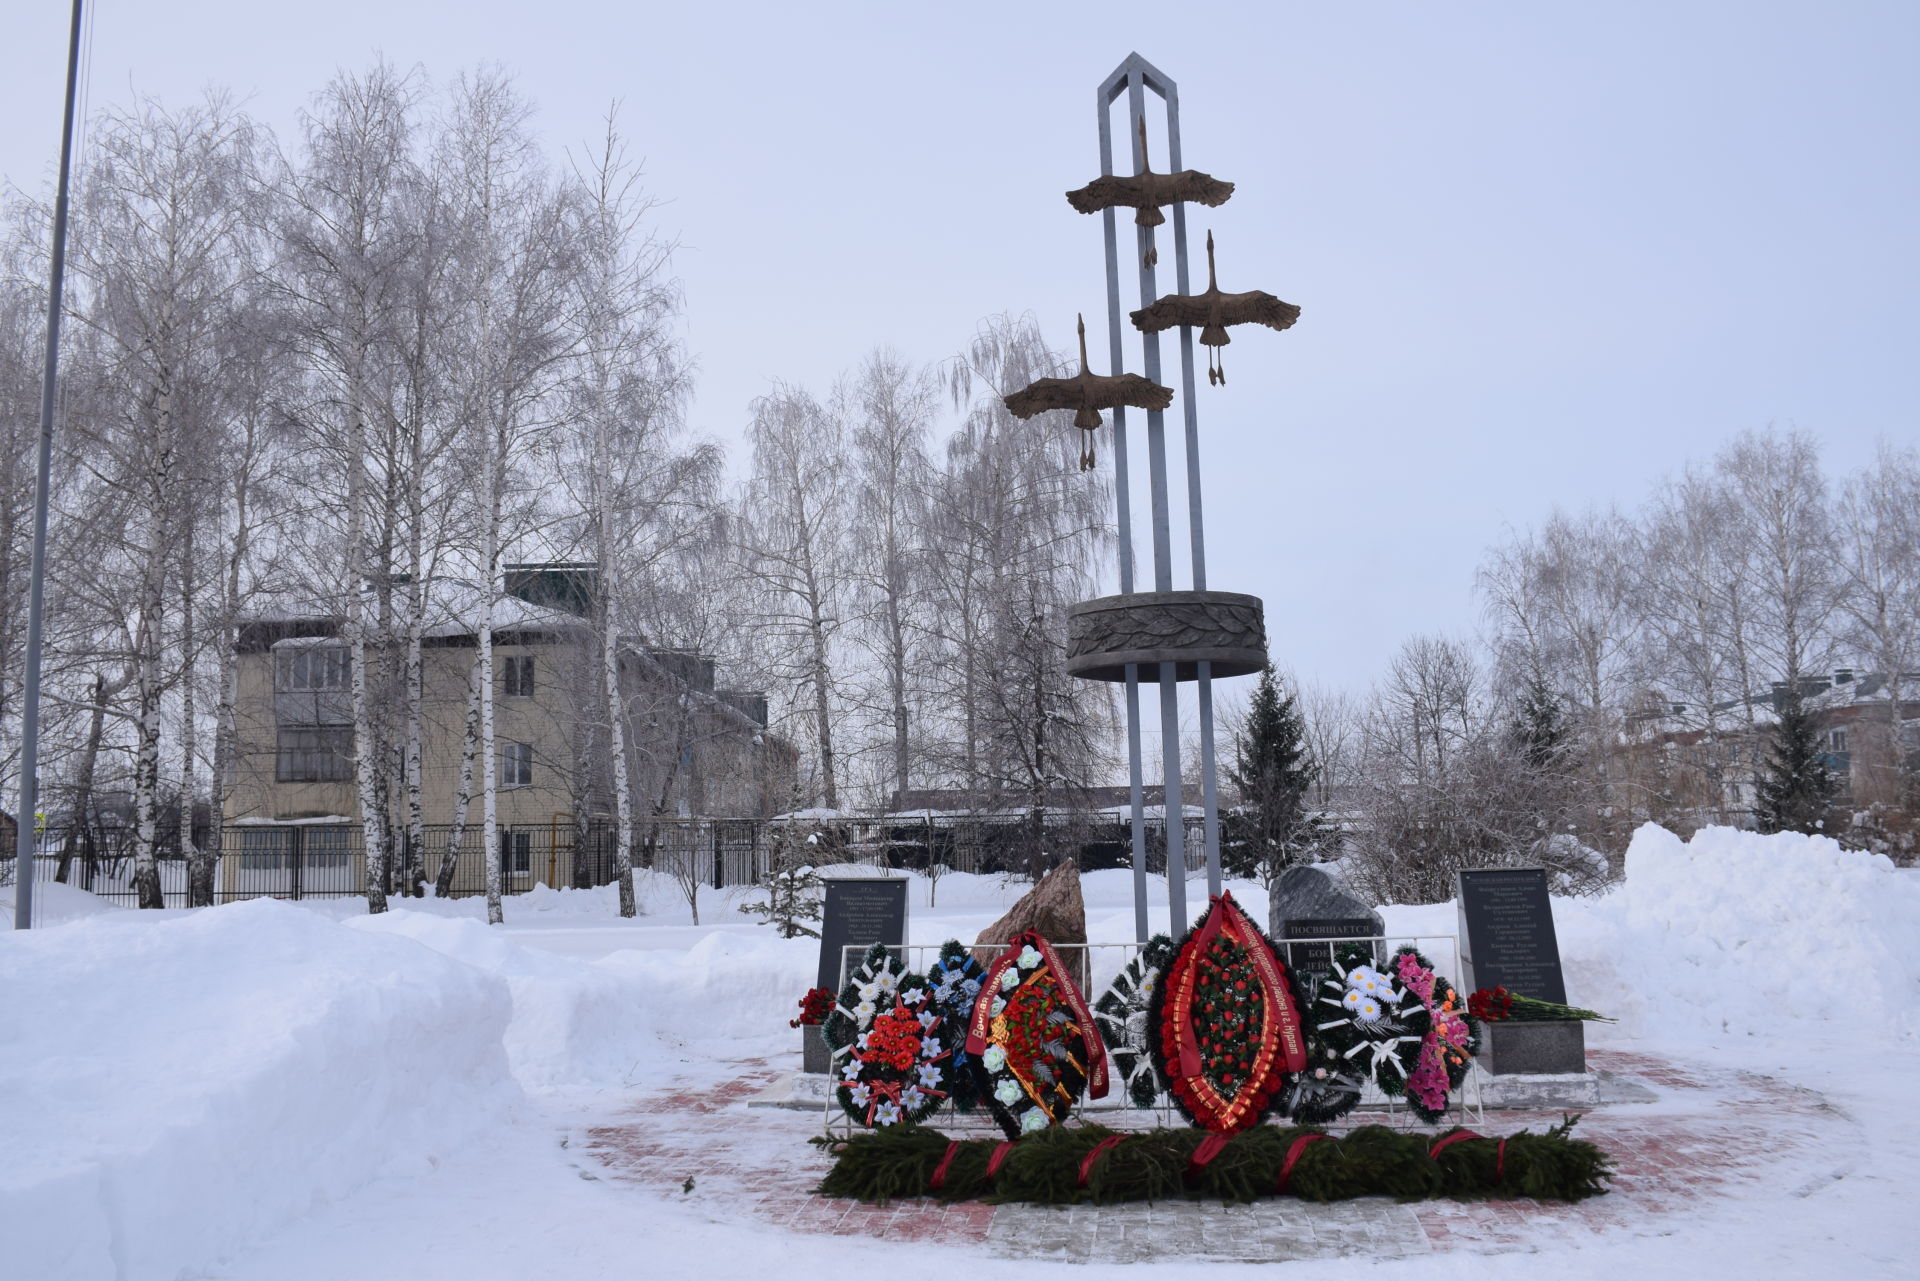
(1709, 1133)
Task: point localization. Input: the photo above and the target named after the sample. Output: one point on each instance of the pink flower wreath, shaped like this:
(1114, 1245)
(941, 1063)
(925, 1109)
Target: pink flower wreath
(1452, 1039)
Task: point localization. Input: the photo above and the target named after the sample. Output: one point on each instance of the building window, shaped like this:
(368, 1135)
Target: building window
(516, 853)
(1836, 740)
(516, 764)
(313, 754)
(519, 676)
(322, 670)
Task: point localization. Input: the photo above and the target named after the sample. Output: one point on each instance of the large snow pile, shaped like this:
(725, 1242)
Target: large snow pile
(1733, 933)
(618, 1021)
(54, 904)
(179, 1089)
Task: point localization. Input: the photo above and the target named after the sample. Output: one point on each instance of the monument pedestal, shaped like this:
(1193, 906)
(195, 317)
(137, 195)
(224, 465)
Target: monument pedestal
(1534, 1048)
(813, 1051)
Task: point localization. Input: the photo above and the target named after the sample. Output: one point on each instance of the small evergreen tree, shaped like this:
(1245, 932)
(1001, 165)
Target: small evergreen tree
(1796, 788)
(1540, 726)
(793, 891)
(1273, 772)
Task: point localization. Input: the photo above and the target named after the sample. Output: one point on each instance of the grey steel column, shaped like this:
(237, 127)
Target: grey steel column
(1123, 504)
(1196, 526)
(26, 828)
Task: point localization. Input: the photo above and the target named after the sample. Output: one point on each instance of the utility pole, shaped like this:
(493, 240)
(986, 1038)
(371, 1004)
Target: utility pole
(26, 826)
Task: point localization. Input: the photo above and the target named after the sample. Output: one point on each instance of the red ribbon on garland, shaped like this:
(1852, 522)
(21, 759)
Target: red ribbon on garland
(998, 1159)
(1298, 1146)
(1499, 1153)
(1100, 1149)
(982, 1021)
(1210, 1147)
(939, 1179)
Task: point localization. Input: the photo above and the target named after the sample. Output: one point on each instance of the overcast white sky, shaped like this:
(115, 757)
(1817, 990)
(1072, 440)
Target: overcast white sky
(1547, 254)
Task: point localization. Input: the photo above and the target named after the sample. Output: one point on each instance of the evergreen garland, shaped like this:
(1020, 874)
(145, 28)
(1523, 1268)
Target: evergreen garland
(889, 1045)
(954, 980)
(1123, 1015)
(1158, 1165)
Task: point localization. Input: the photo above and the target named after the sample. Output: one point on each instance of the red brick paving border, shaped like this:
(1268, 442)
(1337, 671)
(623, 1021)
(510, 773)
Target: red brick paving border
(1714, 1134)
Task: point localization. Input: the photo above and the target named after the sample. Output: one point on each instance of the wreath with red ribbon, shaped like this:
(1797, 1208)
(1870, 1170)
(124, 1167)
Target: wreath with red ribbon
(1451, 1041)
(1032, 1039)
(1227, 1031)
(889, 1044)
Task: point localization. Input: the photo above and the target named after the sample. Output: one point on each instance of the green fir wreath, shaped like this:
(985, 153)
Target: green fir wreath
(1330, 1086)
(889, 1044)
(1124, 1016)
(1369, 1019)
(954, 981)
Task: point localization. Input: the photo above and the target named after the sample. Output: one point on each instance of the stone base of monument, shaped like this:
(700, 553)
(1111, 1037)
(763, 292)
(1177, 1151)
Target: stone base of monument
(813, 1051)
(1516, 1048)
(796, 1092)
(1540, 1091)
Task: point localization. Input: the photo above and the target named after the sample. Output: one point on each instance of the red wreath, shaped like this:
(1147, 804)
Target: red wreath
(1229, 1029)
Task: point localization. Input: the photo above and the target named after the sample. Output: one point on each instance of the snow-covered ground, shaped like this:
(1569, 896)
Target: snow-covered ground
(278, 1092)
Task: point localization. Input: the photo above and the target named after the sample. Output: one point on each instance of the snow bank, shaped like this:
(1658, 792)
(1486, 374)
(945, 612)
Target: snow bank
(178, 1090)
(1733, 933)
(54, 904)
(620, 1021)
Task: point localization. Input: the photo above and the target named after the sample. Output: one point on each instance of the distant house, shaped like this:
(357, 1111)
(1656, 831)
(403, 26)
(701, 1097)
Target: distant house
(693, 750)
(1681, 759)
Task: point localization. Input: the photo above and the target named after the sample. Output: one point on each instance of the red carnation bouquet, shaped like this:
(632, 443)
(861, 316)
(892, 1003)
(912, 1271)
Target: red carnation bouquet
(1496, 1004)
(814, 1008)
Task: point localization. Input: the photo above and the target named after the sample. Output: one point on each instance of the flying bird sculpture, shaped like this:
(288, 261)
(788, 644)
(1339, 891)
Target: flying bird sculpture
(1215, 311)
(1146, 191)
(1087, 394)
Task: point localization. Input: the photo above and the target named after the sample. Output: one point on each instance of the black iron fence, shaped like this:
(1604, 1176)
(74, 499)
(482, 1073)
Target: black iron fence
(328, 860)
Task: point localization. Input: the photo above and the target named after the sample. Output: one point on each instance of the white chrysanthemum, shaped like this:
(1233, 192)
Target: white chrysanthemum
(994, 1059)
(1008, 1092)
(1034, 1120)
(886, 980)
(869, 991)
(1009, 979)
(1028, 957)
(1353, 998)
(865, 1012)
(1368, 1011)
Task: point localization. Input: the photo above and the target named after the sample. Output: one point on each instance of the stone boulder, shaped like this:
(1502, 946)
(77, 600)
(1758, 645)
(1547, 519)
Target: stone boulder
(1308, 893)
(1054, 910)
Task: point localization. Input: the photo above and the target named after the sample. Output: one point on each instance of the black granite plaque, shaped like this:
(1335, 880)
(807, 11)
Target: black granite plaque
(1316, 959)
(859, 913)
(1506, 931)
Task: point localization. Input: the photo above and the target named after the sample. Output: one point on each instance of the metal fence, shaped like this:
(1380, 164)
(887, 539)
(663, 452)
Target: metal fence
(328, 860)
